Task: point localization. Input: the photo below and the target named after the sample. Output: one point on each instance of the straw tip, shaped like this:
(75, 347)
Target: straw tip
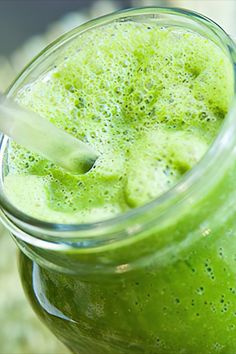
(88, 163)
(82, 165)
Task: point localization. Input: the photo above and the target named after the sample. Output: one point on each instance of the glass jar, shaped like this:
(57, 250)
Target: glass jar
(158, 279)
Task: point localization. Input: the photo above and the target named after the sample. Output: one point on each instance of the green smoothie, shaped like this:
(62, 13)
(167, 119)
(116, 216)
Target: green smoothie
(150, 99)
(149, 102)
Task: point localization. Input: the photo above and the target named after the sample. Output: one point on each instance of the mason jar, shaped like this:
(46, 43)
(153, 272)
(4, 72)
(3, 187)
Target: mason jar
(160, 278)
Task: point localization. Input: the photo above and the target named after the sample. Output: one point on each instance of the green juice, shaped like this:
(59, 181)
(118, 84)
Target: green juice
(145, 98)
(150, 100)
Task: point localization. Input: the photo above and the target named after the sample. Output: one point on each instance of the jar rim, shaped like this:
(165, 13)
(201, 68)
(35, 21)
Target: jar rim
(47, 234)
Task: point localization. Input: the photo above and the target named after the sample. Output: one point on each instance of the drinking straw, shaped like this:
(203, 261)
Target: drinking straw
(37, 134)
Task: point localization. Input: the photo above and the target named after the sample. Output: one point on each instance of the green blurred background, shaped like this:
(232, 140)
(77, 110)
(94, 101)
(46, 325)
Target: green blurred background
(26, 27)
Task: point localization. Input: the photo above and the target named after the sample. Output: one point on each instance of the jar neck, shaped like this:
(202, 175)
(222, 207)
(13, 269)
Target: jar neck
(149, 233)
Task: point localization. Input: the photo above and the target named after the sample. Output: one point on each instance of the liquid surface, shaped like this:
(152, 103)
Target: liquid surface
(144, 97)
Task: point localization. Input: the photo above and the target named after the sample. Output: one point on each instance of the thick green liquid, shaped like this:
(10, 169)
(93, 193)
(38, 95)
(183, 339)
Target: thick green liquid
(150, 100)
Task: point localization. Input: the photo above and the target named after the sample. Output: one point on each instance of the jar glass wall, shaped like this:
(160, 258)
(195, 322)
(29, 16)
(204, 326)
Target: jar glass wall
(157, 279)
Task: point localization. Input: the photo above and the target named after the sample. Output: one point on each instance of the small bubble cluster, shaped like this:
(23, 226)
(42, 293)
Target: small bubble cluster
(144, 97)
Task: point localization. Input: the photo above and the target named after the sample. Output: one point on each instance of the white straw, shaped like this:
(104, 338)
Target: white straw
(37, 134)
